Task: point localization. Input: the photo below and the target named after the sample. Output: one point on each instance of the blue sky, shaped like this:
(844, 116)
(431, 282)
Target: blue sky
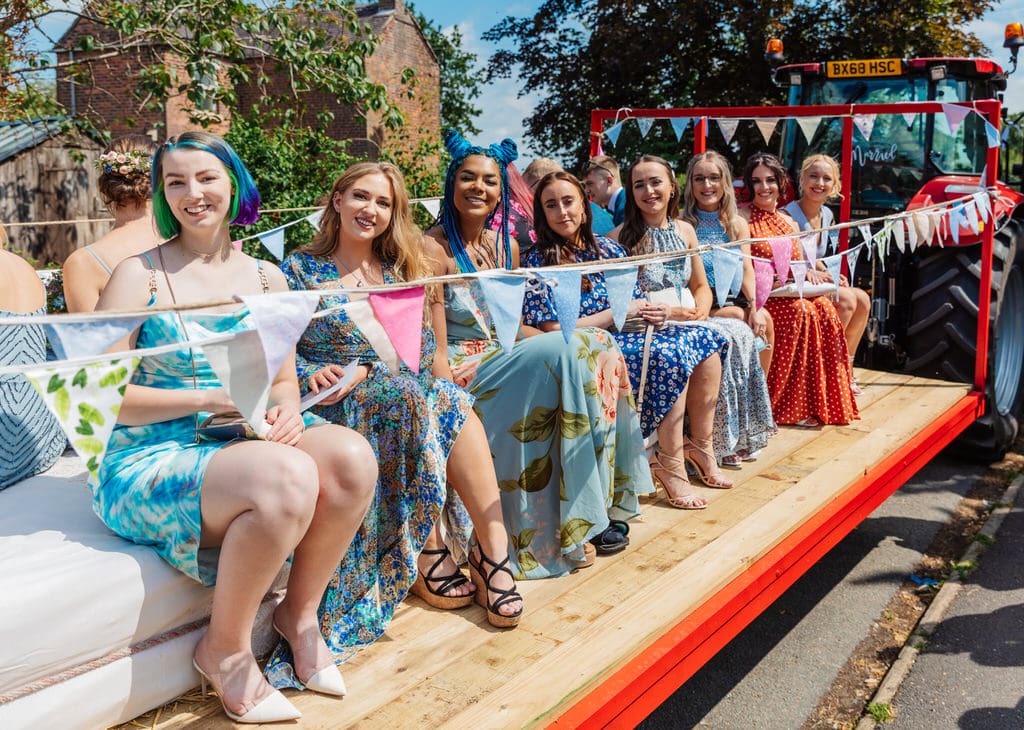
(503, 111)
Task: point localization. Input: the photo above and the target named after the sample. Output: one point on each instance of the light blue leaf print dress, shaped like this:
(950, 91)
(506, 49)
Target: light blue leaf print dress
(411, 420)
(563, 430)
(149, 481)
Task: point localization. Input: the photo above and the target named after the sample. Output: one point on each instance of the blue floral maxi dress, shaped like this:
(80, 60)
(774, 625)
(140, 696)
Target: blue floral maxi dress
(675, 350)
(562, 427)
(743, 414)
(149, 481)
(411, 420)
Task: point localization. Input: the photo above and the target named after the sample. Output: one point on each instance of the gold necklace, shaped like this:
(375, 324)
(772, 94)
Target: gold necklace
(359, 279)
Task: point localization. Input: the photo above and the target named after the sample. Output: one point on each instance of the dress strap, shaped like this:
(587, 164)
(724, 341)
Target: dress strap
(99, 259)
(152, 278)
(264, 284)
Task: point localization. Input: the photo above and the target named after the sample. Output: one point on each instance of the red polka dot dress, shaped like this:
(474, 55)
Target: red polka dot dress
(809, 377)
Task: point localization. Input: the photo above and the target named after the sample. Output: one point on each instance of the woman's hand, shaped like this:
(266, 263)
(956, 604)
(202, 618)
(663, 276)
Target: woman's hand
(816, 276)
(652, 313)
(286, 424)
(328, 375)
(215, 400)
(757, 320)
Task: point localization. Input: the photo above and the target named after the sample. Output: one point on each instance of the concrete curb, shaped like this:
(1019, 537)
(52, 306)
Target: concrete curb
(937, 610)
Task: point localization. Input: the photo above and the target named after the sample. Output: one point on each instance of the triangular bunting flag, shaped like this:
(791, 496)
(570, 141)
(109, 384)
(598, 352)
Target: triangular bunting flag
(86, 400)
(799, 269)
(737, 278)
(851, 260)
(620, 284)
(645, 124)
(898, 235)
(865, 123)
(723, 263)
(361, 313)
(400, 313)
(764, 277)
(679, 125)
(766, 127)
(911, 232)
(280, 319)
(314, 218)
(71, 340)
(955, 220)
(782, 252)
(241, 367)
(833, 241)
(982, 202)
(971, 215)
(728, 128)
(469, 295)
(237, 245)
(923, 224)
(809, 246)
(612, 133)
(992, 134)
(834, 265)
(865, 233)
(273, 241)
(1006, 133)
(954, 115)
(600, 148)
(565, 292)
(808, 125)
(433, 206)
(909, 118)
(937, 217)
(504, 297)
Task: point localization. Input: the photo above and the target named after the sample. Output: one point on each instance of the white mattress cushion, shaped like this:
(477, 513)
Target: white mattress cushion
(73, 591)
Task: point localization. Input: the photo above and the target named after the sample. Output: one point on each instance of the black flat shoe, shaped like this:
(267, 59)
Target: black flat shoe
(613, 539)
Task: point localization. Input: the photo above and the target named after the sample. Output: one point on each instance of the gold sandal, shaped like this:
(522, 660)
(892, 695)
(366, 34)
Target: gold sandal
(679, 501)
(703, 447)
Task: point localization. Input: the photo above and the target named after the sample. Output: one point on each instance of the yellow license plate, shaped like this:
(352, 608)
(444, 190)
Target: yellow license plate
(870, 67)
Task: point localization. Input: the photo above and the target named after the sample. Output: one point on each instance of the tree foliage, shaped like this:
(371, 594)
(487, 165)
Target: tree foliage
(579, 55)
(460, 74)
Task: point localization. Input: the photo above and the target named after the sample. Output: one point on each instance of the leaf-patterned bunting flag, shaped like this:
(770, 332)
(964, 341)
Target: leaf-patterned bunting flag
(566, 296)
(504, 297)
(620, 284)
(86, 400)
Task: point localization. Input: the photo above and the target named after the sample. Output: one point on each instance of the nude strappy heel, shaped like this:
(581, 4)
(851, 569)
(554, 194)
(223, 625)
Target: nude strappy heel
(679, 501)
(691, 447)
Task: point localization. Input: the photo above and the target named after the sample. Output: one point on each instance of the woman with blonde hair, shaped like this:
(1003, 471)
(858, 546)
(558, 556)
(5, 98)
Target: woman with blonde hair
(820, 184)
(124, 185)
(420, 424)
(743, 416)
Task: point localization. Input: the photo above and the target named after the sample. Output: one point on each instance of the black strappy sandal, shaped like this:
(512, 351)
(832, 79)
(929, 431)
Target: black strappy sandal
(437, 597)
(505, 596)
(614, 538)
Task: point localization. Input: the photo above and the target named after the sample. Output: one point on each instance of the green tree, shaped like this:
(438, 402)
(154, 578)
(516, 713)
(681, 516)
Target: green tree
(460, 74)
(22, 92)
(579, 55)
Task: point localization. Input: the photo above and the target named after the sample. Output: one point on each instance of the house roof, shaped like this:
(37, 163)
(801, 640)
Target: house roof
(16, 137)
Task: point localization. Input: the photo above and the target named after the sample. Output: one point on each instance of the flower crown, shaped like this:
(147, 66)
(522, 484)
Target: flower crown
(124, 163)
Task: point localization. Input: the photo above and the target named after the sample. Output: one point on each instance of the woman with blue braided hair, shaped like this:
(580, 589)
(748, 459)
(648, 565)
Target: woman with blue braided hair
(560, 417)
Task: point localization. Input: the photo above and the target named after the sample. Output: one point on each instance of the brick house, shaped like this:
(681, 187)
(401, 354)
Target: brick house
(400, 45)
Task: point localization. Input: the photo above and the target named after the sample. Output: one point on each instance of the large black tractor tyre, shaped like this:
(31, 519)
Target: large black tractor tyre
(941, 337)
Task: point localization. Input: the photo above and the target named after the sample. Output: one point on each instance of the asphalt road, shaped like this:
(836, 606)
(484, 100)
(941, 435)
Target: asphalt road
(773, 674)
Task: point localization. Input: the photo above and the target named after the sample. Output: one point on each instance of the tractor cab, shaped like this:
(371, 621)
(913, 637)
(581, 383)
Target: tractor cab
(894, 155)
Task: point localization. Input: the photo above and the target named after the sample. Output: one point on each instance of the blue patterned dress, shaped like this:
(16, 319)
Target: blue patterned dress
(30, 437)
(562, 426)
(743, 414)
(411, 420)
(675, 350)
(148, 487)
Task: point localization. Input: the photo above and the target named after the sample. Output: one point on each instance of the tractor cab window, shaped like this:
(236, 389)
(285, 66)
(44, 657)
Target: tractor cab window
(963, 150)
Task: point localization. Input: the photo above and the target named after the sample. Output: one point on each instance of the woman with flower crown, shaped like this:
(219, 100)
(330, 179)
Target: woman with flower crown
(560, 416)
(124, 185)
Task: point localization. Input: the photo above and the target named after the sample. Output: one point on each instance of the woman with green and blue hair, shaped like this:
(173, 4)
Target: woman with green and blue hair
(549, 407)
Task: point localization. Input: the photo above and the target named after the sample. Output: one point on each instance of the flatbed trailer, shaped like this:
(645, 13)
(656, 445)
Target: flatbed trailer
(605, 646)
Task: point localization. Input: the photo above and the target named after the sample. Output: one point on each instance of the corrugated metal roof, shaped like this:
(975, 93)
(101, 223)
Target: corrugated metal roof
(17, 137)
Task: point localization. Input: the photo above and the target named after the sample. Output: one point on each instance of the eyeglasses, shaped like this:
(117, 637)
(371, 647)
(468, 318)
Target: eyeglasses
(709, 179)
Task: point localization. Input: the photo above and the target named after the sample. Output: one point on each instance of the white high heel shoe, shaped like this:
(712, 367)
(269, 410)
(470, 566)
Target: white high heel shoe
(327, 681)
(275, 707)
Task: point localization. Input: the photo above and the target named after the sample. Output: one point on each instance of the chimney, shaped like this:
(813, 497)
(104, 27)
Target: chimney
(388, 5)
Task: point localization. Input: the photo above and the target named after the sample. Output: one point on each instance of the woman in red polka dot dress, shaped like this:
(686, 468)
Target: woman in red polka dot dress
(808, 381)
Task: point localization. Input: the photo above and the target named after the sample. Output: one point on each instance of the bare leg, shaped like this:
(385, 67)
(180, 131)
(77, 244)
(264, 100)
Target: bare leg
(766, 354)
(671, 471)
(701, 397)
(257, 501)
(858, 321)
(348, 474)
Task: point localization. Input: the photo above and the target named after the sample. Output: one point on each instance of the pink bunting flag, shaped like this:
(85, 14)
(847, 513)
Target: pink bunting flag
(400, 313)
(782, 252)
(955, 115)
(764, 276)
(809, 245)
(237, 245)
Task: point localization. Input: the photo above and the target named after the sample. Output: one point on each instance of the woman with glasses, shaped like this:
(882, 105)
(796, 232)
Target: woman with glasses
(743, 417)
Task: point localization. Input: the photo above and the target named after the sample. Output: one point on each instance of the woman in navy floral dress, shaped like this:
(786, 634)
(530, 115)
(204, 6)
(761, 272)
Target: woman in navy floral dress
(421, 426)
(677, 352)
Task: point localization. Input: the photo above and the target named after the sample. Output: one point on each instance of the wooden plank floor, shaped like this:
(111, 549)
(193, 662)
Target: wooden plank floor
(451, 669)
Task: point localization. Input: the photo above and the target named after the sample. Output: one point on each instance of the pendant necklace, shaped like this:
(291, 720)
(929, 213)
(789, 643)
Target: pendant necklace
(359, 279)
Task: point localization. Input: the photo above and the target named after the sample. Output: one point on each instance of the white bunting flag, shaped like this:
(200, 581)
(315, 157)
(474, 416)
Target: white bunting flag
(620, 284)
(909, 118)
(898, 234)
(315, 217)
(728, 128)
(809, 245)
(911, 232)
(504, 297)
(766, 127)
(273, 241)
(808, 125)
(280, 319)
(241, 366)
(799, 269)
(645, 124)
(86, 400)
(970, 211)
(433, 206)
(72, 340)
(982, 202)
(865, 123)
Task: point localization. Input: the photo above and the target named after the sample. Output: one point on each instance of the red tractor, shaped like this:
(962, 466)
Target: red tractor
(925, 303)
